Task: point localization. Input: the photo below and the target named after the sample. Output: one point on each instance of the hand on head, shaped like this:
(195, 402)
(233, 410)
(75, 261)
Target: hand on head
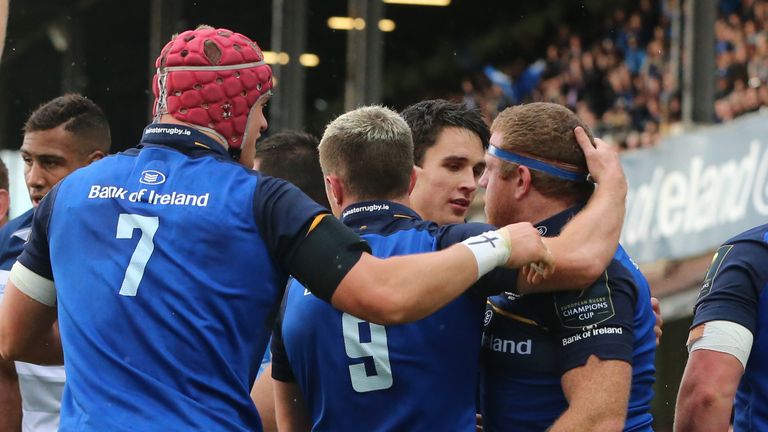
(602, 159)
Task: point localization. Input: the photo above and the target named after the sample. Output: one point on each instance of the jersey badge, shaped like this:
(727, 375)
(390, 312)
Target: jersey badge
(587, 308)
(713, 269)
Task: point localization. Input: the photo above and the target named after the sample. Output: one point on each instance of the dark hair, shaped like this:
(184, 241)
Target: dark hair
(428, 118)
(4, 184)
(292, 156)
(79, 115)
(545, 130)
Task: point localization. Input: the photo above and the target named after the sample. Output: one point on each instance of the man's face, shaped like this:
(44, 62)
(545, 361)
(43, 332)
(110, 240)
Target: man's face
(499, 193)
(447, 178)
(257, 124)
(49, 156)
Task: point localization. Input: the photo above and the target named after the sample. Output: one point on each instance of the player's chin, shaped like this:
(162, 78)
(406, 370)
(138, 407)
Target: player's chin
(454, 216)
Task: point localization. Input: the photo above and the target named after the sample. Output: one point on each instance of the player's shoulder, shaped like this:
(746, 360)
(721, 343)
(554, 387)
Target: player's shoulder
(757, 236)
(21, 221)
(448, 235)
(623, 266)
(749, 248)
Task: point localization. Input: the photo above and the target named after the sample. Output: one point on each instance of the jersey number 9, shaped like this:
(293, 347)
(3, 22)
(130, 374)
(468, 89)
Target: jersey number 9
(376, 349)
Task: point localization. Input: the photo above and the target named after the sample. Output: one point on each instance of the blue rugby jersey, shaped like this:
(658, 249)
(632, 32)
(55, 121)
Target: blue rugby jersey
(734, 290)
(41, 386)
(169, 262)
(359, 376)
(13, 236)
(531, 341)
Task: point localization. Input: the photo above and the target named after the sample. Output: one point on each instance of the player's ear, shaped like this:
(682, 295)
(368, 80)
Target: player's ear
(95, 155)
(414, 177)
(522, 183)
(335, 189)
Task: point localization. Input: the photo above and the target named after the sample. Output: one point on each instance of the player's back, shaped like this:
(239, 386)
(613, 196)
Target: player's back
(356, 375)
(163, 285)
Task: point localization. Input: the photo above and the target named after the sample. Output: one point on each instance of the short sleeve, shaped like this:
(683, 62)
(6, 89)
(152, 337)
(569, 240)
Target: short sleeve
(36, 255)
(284, 215)
(281, 367)
(732, 285)
(596, 321)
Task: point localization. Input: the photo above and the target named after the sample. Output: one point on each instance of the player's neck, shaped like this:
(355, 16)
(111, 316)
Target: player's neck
(538, 208)
(167, 118)
(402, 200)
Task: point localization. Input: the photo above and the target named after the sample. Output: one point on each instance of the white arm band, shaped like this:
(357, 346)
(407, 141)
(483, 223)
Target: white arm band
(726, 337)
(490, 249)
(33, 285)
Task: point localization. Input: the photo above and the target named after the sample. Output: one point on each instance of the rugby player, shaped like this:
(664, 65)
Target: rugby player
(335, 371)
(154, 251)
(60, 136)
(292, 156)
(725, 375)
(574, 355)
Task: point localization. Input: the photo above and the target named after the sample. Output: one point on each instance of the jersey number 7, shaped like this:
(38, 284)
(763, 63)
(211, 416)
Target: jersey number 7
(148, 226)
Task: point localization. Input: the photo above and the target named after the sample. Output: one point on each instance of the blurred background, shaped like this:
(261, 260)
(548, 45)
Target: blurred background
(678, 85)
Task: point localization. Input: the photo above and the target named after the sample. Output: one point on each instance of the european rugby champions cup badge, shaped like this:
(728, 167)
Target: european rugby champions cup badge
(714, 268)
(586, 308)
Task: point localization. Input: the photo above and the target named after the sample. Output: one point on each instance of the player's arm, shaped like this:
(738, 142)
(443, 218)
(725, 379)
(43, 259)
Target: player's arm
(28, 310)
(263, 397)
(596, 352)
(290, 410)
(709, 384)
(10, 398)
(407, 288)
(27, 317)
(334, 264)
(720, 340)
(589, 241)
(598, 395)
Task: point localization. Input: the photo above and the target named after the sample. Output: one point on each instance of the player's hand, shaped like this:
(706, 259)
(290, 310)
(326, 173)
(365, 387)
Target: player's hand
(602, 160)
(659, 321)
(527, 249)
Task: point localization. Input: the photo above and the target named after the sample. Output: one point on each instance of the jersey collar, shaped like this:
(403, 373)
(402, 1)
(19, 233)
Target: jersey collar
(186, 139)
(366, 210)
(552, 226)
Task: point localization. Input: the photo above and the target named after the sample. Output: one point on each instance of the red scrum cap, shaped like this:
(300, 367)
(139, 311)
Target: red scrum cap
(211, 78)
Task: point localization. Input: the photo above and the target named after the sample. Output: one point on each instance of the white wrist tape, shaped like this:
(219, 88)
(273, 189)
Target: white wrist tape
(490, 249)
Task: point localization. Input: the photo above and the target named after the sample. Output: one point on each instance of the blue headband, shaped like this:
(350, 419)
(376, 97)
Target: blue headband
(537, 165)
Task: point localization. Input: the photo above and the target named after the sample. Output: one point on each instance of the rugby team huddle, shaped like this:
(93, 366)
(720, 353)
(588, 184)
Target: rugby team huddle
(158, 276)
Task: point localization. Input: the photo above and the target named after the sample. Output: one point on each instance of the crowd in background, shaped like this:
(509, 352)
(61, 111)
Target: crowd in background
(623, 83)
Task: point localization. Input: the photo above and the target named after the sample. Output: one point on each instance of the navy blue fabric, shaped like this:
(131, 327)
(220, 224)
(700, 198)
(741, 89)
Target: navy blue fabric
(13, 236)
(734, 290)
(531, 341)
